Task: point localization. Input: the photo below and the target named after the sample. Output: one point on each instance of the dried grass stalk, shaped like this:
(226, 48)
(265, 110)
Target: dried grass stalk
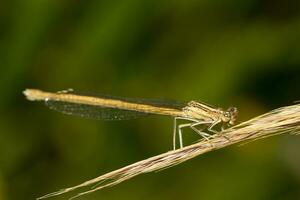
(282, 120)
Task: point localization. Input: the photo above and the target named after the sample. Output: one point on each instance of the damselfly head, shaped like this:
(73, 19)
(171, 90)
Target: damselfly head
(233, 114)
(230, 115)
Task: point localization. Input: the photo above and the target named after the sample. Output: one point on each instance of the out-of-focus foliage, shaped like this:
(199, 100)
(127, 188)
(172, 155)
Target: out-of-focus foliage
(242, 53)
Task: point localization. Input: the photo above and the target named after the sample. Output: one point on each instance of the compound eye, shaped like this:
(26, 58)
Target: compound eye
(232, 110)
(227, 114)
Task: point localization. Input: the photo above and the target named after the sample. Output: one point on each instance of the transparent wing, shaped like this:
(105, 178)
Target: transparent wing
(106, 113)
(93, 112)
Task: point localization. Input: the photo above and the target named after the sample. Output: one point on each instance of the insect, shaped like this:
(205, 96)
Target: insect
(194, 113)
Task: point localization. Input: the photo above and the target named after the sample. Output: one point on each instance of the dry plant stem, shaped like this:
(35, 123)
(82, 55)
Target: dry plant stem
(281, 120)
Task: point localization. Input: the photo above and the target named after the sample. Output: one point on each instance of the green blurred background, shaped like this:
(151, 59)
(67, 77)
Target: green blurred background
(241, 53)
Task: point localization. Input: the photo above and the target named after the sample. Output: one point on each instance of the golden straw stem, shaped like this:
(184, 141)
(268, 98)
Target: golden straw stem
(282, 120)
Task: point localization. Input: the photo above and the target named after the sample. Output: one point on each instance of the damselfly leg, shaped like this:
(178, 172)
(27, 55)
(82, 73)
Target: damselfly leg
(214, 131)
(192, 124)
(179, 130)
(212, 125)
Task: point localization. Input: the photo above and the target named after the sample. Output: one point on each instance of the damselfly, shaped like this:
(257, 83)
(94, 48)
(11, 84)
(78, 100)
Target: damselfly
(110, 108)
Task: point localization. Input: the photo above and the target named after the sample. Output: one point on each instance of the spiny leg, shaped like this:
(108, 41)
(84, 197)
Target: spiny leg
(203, 134)
(214, 131)
(179, 133)
(174, 133)
(200, 132)
(212, 125)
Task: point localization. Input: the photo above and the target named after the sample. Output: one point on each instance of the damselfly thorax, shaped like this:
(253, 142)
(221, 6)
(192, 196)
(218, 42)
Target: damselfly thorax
(116, 108)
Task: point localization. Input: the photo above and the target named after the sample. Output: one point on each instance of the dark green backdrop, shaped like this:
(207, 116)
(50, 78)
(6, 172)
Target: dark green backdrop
(241, 53)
